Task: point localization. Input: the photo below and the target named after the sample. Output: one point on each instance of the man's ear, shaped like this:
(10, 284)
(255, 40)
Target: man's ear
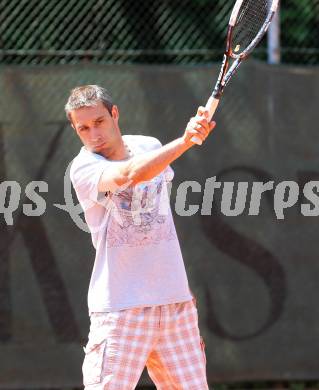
(115, 112)
(71, 121)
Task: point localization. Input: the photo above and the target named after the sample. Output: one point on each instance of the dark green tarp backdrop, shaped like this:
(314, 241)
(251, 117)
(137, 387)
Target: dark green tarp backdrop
(255, 277)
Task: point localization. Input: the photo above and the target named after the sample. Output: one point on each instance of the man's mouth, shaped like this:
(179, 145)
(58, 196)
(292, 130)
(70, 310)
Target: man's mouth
(99, 146)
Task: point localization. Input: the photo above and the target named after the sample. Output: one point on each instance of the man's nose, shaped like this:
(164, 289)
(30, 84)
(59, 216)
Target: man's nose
(95, 134)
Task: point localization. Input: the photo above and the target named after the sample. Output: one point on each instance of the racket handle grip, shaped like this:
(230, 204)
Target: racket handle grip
(211, 106)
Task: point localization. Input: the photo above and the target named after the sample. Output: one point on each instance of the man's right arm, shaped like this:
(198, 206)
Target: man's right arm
(148, 165)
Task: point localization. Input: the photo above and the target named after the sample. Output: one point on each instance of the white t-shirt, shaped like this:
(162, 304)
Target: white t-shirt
(138, 259)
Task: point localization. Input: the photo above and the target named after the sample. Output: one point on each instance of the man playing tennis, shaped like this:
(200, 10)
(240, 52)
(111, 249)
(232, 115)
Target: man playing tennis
(140, 305)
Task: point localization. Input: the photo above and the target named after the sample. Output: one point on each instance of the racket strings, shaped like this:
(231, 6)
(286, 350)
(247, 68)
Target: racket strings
(251, 18)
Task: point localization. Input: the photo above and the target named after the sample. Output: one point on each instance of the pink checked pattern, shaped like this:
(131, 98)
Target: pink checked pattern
(164, 338)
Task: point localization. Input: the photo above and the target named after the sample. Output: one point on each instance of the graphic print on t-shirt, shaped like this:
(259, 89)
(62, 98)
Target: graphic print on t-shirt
(139, 215)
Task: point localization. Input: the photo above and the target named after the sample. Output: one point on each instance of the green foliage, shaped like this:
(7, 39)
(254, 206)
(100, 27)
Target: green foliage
(300, 31)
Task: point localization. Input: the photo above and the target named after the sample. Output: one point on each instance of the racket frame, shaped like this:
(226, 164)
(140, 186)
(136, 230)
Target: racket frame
(227, 70)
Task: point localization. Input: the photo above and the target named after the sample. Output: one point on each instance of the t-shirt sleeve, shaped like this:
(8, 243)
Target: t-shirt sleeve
(85, 176)
(169, 173)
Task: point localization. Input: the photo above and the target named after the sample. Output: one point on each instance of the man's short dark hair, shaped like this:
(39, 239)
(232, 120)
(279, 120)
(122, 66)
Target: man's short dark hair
(88, 96)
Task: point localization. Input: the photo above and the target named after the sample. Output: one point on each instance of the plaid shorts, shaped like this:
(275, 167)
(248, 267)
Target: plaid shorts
(165, 339)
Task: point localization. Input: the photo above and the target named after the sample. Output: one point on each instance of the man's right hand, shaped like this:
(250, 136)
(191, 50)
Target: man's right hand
(198, 126)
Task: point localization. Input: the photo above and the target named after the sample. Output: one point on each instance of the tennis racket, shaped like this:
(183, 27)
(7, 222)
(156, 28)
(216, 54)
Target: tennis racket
(249, 21)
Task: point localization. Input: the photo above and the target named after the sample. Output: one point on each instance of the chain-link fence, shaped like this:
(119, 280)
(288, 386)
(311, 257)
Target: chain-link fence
(300, 31)
(143, 31)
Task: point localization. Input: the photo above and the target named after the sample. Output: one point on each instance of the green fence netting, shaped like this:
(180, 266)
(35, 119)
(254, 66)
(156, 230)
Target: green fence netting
(143, 31)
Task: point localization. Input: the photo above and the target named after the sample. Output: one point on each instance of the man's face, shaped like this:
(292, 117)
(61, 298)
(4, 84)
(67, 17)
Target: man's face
(96, 127)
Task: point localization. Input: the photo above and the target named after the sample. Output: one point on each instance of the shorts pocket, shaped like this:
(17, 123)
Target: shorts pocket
(93, 362)
(202, 346)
